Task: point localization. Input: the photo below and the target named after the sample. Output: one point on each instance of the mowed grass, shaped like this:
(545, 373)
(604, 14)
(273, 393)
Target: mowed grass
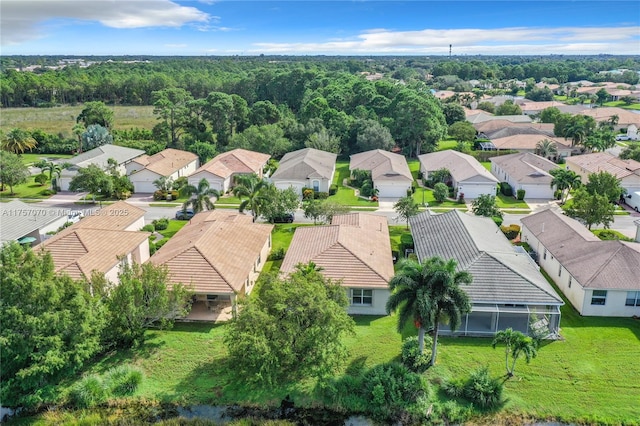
(345, 195)
(31, 189)
(505, 202)
(62, 119)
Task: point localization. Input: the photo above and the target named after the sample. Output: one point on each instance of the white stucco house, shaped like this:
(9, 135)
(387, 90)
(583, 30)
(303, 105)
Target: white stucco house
(19, 220)
(526, 171)
(98, 156)
(600, 278)
(221, 170)
(306, 168)
(468, 176)
(354, 249)
(169, 163)
(389, 172)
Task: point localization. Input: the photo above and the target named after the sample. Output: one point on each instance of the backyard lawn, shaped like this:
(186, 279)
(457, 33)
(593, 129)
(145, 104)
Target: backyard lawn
(345, 195)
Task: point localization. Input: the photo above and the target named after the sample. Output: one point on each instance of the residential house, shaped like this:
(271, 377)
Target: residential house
(218, 254)
(389, 172)
(482, 116)
(221, 171)
(468, 176)
(528, 142)
(525, 171)
(355, 249)
(627, 171)
(100, 242)
(625, 118)
(600, 278)
(507, 290)
(534, 108)
(487, 129)
(20, 220)
(98, 156)
(169, 163)
(306, 168)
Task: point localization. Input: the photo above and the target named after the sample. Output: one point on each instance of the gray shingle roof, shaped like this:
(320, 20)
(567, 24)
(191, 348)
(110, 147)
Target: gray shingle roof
(526, 167)
(306, 163)
(500, 273)
(19, 219)
(462, 167)
(99, 157)
(382, 164)
(592, 262)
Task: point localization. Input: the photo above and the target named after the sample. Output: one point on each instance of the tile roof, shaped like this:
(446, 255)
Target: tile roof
(306, 163)
(235, 161)
(18, 219)
(526, 167)
(625, 117)
(215, 252)
(487, 127)
(382, 164)
(115, 217)
(355, 249)
(500, 273)
(528, 142)
(605, 162)
(461, 166)
(79, 251)
(166, 162)
(517, 130)
(594, 263)
(484, 116)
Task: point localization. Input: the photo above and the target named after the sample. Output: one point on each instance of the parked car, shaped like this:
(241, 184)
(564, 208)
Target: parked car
(184, 214)
(623, 138)
(75, 216)
(285, 218)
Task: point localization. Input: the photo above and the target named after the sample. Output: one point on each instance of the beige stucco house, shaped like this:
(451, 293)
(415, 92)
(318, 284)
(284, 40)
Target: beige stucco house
(525, 171)
(355, 249)
(169, 163)
(627, 171)
(389, 172)
(305, 168)
(600, 278)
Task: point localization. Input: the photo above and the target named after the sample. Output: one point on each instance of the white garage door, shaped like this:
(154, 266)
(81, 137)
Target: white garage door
(297, 186)
(392, 190)
(543, 192)
(213, 184)
(472, 191)
(144, 187)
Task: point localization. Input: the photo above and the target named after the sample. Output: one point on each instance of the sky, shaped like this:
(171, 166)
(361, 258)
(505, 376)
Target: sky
(361, 27)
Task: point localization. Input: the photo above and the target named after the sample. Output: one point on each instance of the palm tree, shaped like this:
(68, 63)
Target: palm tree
(52, 168)
(78, 130)
(547, 149)
(200, 196)
(18, 141)
(252, 188)
(430, 293)
(516, 344)
(564, 180)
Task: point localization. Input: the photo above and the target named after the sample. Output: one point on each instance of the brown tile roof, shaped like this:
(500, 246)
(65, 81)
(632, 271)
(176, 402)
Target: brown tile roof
(382, 164)
(605, 162)
(593, 263)
(215, 252)
(117, 216)
(625, 117)
(527, 142)
(355, 249)
(527, 105)
(79, 251)
(235, 161)
(166, 162)
(461, 166)
(526, 167)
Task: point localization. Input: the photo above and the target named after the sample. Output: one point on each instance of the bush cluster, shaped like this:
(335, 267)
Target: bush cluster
(333, 189)
(277, 254)
(160, 224)
(520, 194)
(511, 231)
(480, 388)
(95, 389)
(411, 356)
(505, 189)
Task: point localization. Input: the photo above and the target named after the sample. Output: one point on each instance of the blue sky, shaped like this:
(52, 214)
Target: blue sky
(209, 27)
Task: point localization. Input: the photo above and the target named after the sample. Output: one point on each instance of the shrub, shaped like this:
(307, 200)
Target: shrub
(308, 194)
(483, 390)
(159, 195)
(461, 198)
(333, 189)
(174, 195)
(557, 194)
(454, 387)
(520, 194)
(409, 192)
(321, 195)
(89, 392)
(411, 356)
(440, 192)
(506, 189)
(180, 183)
(149, 228)
(47, 192)
(41, 179)
(366, 189)
(161, 224)
(277, 254)
(123, 380)
(498, 220)
(511, 231)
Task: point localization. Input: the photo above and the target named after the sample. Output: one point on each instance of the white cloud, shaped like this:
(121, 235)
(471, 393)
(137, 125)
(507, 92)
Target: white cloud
(503, 41)
(21, 20)
(176, 45)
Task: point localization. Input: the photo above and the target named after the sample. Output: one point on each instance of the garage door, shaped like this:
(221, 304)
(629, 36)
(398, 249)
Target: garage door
(297, 186)
(543, 192)
(391, 190)
(212, 184)
(472, 191)
(144, 187)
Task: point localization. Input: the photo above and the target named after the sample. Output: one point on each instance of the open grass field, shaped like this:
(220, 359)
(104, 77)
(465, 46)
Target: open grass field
(62, 119)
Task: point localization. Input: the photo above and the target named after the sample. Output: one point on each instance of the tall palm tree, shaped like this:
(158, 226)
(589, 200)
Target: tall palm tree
(429, 292)
(565, 180)
(253, 189)
(547, 149)
(516, 344)
(200, 196)
(18, 141)
(54, 169)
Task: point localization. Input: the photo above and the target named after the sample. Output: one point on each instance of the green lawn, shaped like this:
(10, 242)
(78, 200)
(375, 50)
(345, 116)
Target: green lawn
(428, 198)
(621, 104)
(486, 165)
(29, 159)
(346, 196)
(27, 190)
(505, 202)
(228, 199)
(447, 144)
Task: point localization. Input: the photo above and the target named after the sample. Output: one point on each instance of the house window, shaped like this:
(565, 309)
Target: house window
(544, 256)
(599, 297)
(360, 296)
(633, 298)
(316, 185)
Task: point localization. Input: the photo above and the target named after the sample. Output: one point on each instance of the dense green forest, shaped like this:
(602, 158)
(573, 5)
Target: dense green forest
(276, 104)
